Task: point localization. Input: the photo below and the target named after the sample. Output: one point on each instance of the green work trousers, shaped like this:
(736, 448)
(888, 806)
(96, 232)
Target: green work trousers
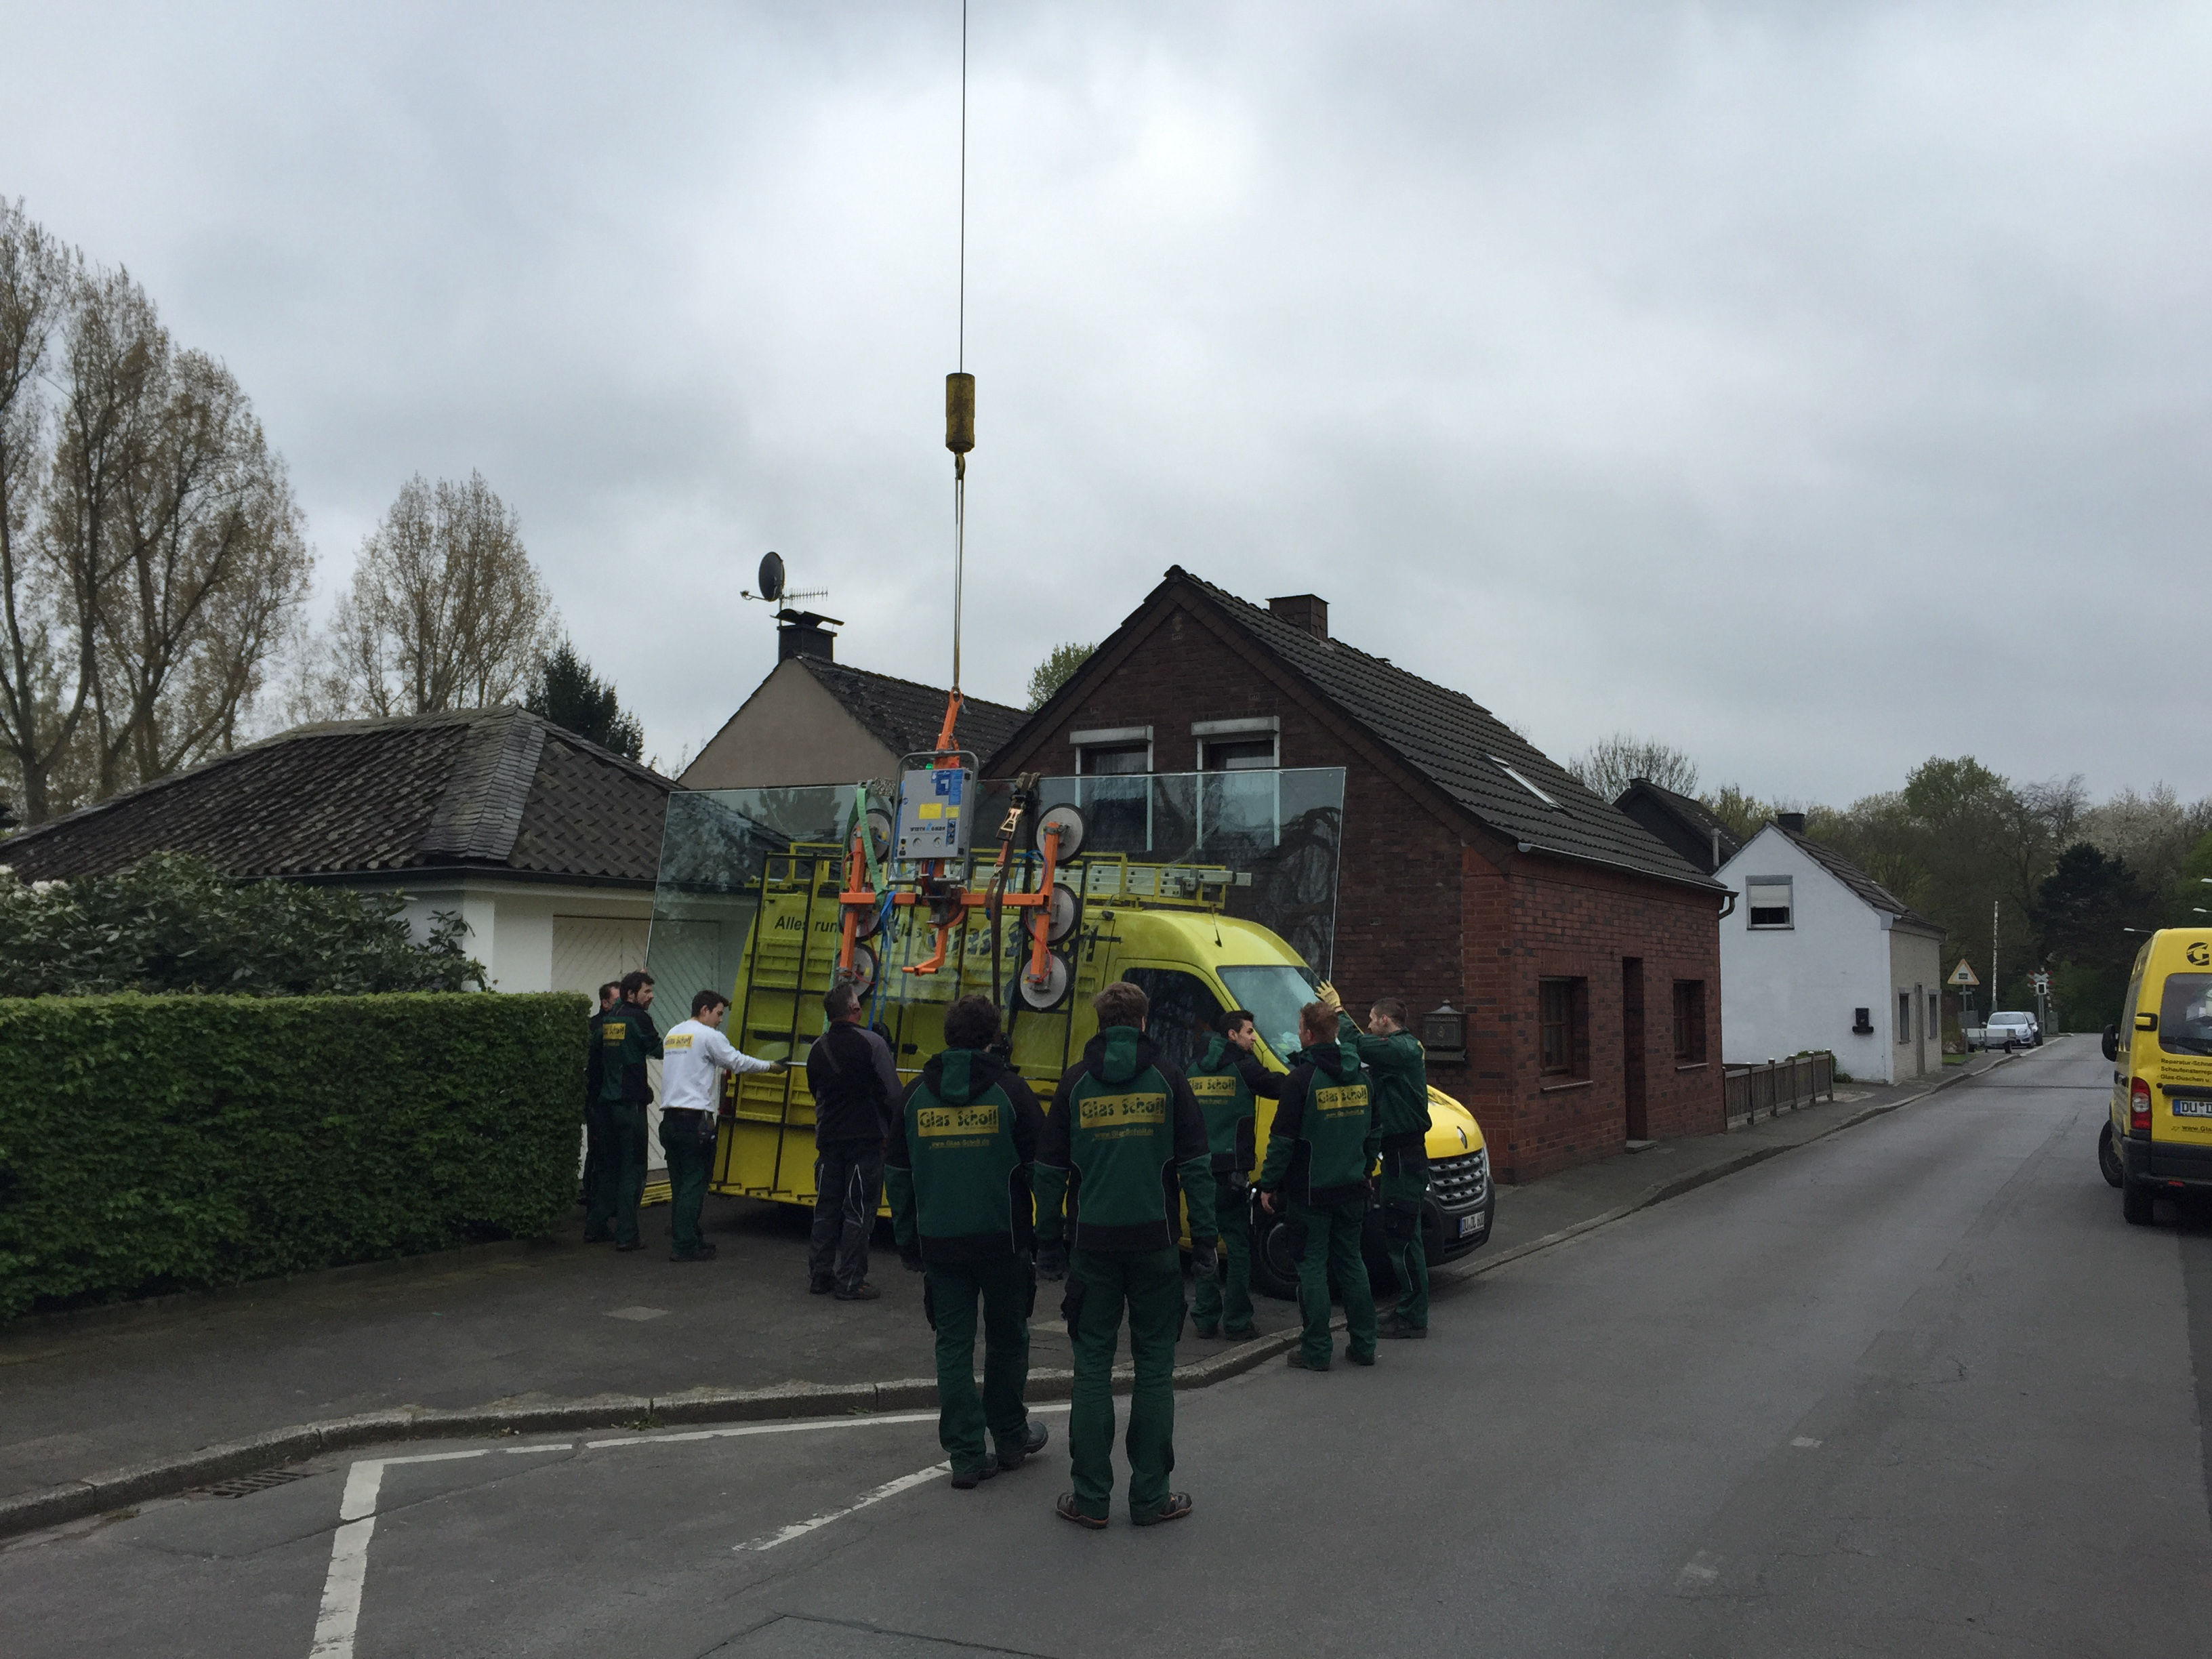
(1332, 1252)
(1005, 1286)
(598, 1154)
(622, 1173)
(1101, 1283)
(689, 1154)
(1225, 1295)
(1409, 1257)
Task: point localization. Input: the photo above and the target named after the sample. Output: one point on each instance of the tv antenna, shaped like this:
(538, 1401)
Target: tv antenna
(772, 590)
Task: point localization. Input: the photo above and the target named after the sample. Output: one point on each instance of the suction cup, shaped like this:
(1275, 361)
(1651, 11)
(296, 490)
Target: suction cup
(1053, 991)
(1058, 918)
(863, 976)
(1070, 823)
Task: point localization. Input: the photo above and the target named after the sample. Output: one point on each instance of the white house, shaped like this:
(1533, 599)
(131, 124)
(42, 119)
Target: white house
(1817, 954)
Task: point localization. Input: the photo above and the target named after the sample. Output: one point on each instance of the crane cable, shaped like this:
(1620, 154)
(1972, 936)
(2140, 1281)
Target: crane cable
(960, 386)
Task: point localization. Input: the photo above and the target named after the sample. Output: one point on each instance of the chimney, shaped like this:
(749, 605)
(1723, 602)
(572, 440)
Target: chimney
(1306, 610)
(1793, 821)
(801, 634)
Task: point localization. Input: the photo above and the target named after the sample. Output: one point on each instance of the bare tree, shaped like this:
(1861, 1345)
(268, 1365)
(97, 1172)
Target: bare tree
(1611, 764)
(209, 567)
(152, 554)
(45, 660)
(447, 610)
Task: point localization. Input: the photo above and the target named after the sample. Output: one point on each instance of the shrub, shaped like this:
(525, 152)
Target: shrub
(171, 922)
(153, 1144)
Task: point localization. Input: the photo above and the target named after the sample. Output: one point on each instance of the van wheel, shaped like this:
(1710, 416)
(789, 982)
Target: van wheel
(2135, 1204)
(2108, 1157)
(1274, 1270)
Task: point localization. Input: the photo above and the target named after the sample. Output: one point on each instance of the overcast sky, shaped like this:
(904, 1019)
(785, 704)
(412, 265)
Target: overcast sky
(1815, 388)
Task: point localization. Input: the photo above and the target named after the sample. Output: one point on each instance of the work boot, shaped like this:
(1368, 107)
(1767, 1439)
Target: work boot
(969, 1479)
(862, 1292)
(634, 1244)
(1176, 1507)
(1236, 1333)
(1299, 1363)
(820, 1285)
(1068, 1509)
(1357, 1359)
(1207, 1331)
(704, 1253)
(1033, 1435)
(1402, 1330)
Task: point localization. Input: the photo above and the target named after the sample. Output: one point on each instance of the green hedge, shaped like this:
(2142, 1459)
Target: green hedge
(153, 1144)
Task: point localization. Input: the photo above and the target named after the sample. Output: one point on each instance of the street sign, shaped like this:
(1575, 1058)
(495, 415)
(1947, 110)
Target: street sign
(2040, 982)
(1963, 974)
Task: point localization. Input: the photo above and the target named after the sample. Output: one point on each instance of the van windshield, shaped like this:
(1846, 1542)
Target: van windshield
(1274, 995)
(2184, 1014)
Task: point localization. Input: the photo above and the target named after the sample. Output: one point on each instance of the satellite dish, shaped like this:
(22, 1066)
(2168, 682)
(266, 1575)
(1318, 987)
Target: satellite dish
(771, 576)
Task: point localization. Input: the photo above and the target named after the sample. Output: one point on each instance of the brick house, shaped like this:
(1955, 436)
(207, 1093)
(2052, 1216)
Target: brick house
(1476, 875)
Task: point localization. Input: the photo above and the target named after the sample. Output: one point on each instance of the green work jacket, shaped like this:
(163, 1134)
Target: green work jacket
(627, 1041)
(1399, 1067)
(1227, 1083)
(957, 1166)
(1324, 1140)
(1123, 1133)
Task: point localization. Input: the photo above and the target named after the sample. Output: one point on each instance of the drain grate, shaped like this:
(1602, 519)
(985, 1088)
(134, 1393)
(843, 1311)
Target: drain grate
(245, 1485)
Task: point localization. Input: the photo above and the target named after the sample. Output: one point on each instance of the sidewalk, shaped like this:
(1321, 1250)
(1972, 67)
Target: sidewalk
(556, 1333)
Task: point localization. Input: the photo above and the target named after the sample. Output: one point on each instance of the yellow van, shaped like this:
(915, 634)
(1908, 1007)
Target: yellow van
(1164, 927)
(2162, 1050)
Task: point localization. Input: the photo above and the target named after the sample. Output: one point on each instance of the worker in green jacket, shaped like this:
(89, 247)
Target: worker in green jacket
(1123, 1134)
(957, 1169)
(1319, 1148)
(627, 1040)
(1227, 1081)
(1394, 1057)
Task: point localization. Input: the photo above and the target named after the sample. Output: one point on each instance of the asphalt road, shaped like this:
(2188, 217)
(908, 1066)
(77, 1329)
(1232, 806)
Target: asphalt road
(1913, 1389)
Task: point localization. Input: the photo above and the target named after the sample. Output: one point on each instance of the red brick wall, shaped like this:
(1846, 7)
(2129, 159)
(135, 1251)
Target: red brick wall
(1432, 910)
(1398, 874)
(1574, 921)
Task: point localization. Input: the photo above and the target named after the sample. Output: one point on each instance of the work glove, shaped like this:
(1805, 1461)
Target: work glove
(911, 1260)
(1328, 993)
(1052, 1261)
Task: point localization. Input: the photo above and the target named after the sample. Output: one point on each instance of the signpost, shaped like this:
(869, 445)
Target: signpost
(1962, 978)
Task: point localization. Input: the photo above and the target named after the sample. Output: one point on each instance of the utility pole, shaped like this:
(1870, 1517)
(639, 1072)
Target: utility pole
(1994, 904)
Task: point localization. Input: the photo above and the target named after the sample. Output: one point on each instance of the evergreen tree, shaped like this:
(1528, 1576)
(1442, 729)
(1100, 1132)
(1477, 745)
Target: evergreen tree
(570, 696)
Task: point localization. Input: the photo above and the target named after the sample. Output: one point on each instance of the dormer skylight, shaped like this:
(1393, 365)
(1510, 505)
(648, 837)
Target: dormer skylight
(1525, 784)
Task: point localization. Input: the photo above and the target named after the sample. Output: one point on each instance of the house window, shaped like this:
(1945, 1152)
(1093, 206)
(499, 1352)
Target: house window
(1114, 792)
(1689, 1022)
(1236, 754)
(1239, 796)
(1767, 900)
(1935, 1013)
(1905, 1016)
(1563, 1028)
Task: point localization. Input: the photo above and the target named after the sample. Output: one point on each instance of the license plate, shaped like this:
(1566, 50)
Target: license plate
(1469, 1225)
(2192, 1108)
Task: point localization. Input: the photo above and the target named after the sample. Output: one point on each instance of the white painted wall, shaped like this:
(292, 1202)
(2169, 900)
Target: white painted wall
(1787, 989)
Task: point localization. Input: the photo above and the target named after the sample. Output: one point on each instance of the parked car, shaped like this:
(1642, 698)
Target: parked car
(2007, 1031)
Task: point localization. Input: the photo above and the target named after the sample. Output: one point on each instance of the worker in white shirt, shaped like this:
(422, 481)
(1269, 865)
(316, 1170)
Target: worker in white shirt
(693, 1058)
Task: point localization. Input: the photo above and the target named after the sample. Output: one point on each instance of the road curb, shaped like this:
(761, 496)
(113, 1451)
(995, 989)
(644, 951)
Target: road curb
(165, 1478)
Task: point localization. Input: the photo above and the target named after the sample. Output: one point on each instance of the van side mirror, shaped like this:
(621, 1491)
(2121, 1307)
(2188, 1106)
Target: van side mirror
(2110, 1042)
(2146, 1022)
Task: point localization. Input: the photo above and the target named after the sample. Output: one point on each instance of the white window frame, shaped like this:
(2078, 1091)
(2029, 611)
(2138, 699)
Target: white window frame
(1788, 883)
(1236, 731)
(1114, 737)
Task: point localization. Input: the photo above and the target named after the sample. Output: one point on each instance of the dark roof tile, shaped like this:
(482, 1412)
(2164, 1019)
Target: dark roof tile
(490, 788)
(905, 717)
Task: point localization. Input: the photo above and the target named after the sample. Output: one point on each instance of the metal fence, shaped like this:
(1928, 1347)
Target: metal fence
(1778, 1086)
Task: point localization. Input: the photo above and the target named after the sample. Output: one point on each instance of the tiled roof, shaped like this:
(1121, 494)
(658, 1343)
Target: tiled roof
(1703, 829)
(1857, 880)
(486, 788)
(1447, 737)
(905, 717)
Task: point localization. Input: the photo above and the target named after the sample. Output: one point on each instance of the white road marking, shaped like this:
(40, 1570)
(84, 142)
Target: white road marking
(889, 1489)
(1806, 1441)
(342, 1587)
(341, 1609)
(637, 1315)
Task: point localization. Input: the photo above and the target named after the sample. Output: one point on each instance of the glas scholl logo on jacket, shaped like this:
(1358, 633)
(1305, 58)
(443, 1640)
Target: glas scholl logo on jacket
(932, 1121)
(1347, 1097)
(1111, 1111)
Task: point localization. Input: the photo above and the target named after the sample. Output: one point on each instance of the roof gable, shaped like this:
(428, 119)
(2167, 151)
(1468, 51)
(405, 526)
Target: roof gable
(1474, 760)
(905, 716)
(496, 788)
(1854, 880)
